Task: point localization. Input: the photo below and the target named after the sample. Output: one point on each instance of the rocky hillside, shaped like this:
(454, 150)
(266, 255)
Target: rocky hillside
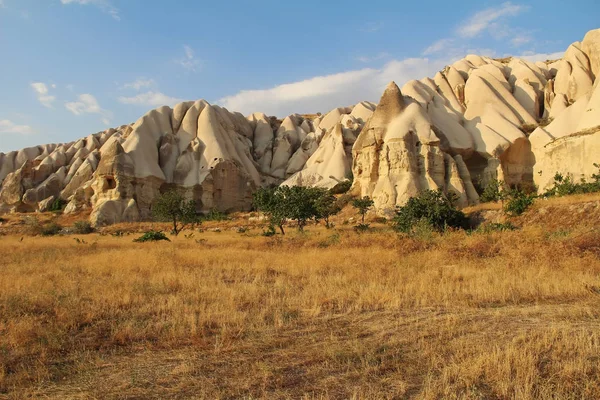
(479, 119)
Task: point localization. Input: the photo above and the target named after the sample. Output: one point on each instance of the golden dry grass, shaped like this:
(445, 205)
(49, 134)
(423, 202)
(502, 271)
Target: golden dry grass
(328, 314)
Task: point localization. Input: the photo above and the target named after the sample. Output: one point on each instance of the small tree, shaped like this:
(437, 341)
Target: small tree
(432, 207)
(363, 205)
(172, 206)
(270, 202)
(326, 205)
(299, 203)
(492, 192)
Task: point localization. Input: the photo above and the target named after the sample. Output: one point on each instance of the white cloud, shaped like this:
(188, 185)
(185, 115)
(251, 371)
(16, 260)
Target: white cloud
(534, 57)
(103, 5)
(151, 99)
(9, 127)
(2, 4)
(87, 104)
(322, 93)
(438, 46)
(520, 39)
(366, 59)
(372, 27)
(139, 84)
(189, 62)
(43, 94)
(482, 20)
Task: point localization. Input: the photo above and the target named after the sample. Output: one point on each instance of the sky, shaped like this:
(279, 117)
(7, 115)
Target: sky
(69, 68)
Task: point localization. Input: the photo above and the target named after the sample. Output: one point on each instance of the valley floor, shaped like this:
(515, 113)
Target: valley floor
(329, 314)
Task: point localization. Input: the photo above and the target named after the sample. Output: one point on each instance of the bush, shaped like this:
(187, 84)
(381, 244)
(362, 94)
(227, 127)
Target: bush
(496, 227)
(152, 236)
(270, 231)
(341, 187)
(361, 228)
(492, 191)
(171, 206)
(518, 202)
(363, 205)
(215, 215)
(295, 203)
(82, 227)
(565, 185)
(431, 206)
(50, 229)
(57, 205)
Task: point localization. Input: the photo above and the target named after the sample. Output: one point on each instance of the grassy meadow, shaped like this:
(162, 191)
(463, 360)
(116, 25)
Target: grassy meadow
(329, 314)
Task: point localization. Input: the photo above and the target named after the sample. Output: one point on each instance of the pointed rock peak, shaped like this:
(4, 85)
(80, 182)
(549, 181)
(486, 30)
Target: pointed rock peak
(390, 105)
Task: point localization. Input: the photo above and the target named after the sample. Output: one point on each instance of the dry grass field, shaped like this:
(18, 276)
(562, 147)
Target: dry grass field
(329, 314)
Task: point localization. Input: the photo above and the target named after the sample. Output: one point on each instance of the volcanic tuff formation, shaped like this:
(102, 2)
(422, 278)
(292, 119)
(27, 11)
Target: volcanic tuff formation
(457, 131)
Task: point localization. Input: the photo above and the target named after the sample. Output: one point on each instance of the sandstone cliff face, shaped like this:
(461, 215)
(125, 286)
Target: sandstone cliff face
(456, 131)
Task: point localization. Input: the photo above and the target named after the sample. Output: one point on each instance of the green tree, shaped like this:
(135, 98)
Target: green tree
(431, 206)
(492, 192)
(297, 203)
(172, 206)
(270, 201)
(326, 205)
(363, 205)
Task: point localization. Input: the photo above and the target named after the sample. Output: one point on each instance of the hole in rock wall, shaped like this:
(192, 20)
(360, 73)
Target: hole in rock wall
(477, 164)
(110, 183)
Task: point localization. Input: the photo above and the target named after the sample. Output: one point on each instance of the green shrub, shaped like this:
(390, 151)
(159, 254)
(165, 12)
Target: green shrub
(518, 202)
(152, 236)
(341, 187)
(173, 207)
(423, 230)
(496, 227)
(57, 205)
(431, 206)
(361, 228)
(565, 185)
(363, 205)
(297, 203)
(82, 227)
(50, 229)
(492, 191)
(215, 215)
(270, 231)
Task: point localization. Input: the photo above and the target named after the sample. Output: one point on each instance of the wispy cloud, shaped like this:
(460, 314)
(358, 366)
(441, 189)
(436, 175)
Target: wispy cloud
(103, 5)
(322, 93)
(189, 61)
(491, 21)
(43, 94)
(534, 57)
(482, 20)
(139, 83)
(9, 127)
(520, 40)
(150, 99)
(372, 27)
(377, 57)
(88, 104)
(438, 46)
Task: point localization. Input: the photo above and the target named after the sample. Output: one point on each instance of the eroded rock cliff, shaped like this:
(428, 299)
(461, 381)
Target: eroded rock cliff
(467, 125)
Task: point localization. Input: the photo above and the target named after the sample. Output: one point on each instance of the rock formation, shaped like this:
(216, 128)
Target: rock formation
(468, 124)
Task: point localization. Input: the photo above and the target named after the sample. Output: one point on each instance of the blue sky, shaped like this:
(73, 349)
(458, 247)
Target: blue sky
(74, 67)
